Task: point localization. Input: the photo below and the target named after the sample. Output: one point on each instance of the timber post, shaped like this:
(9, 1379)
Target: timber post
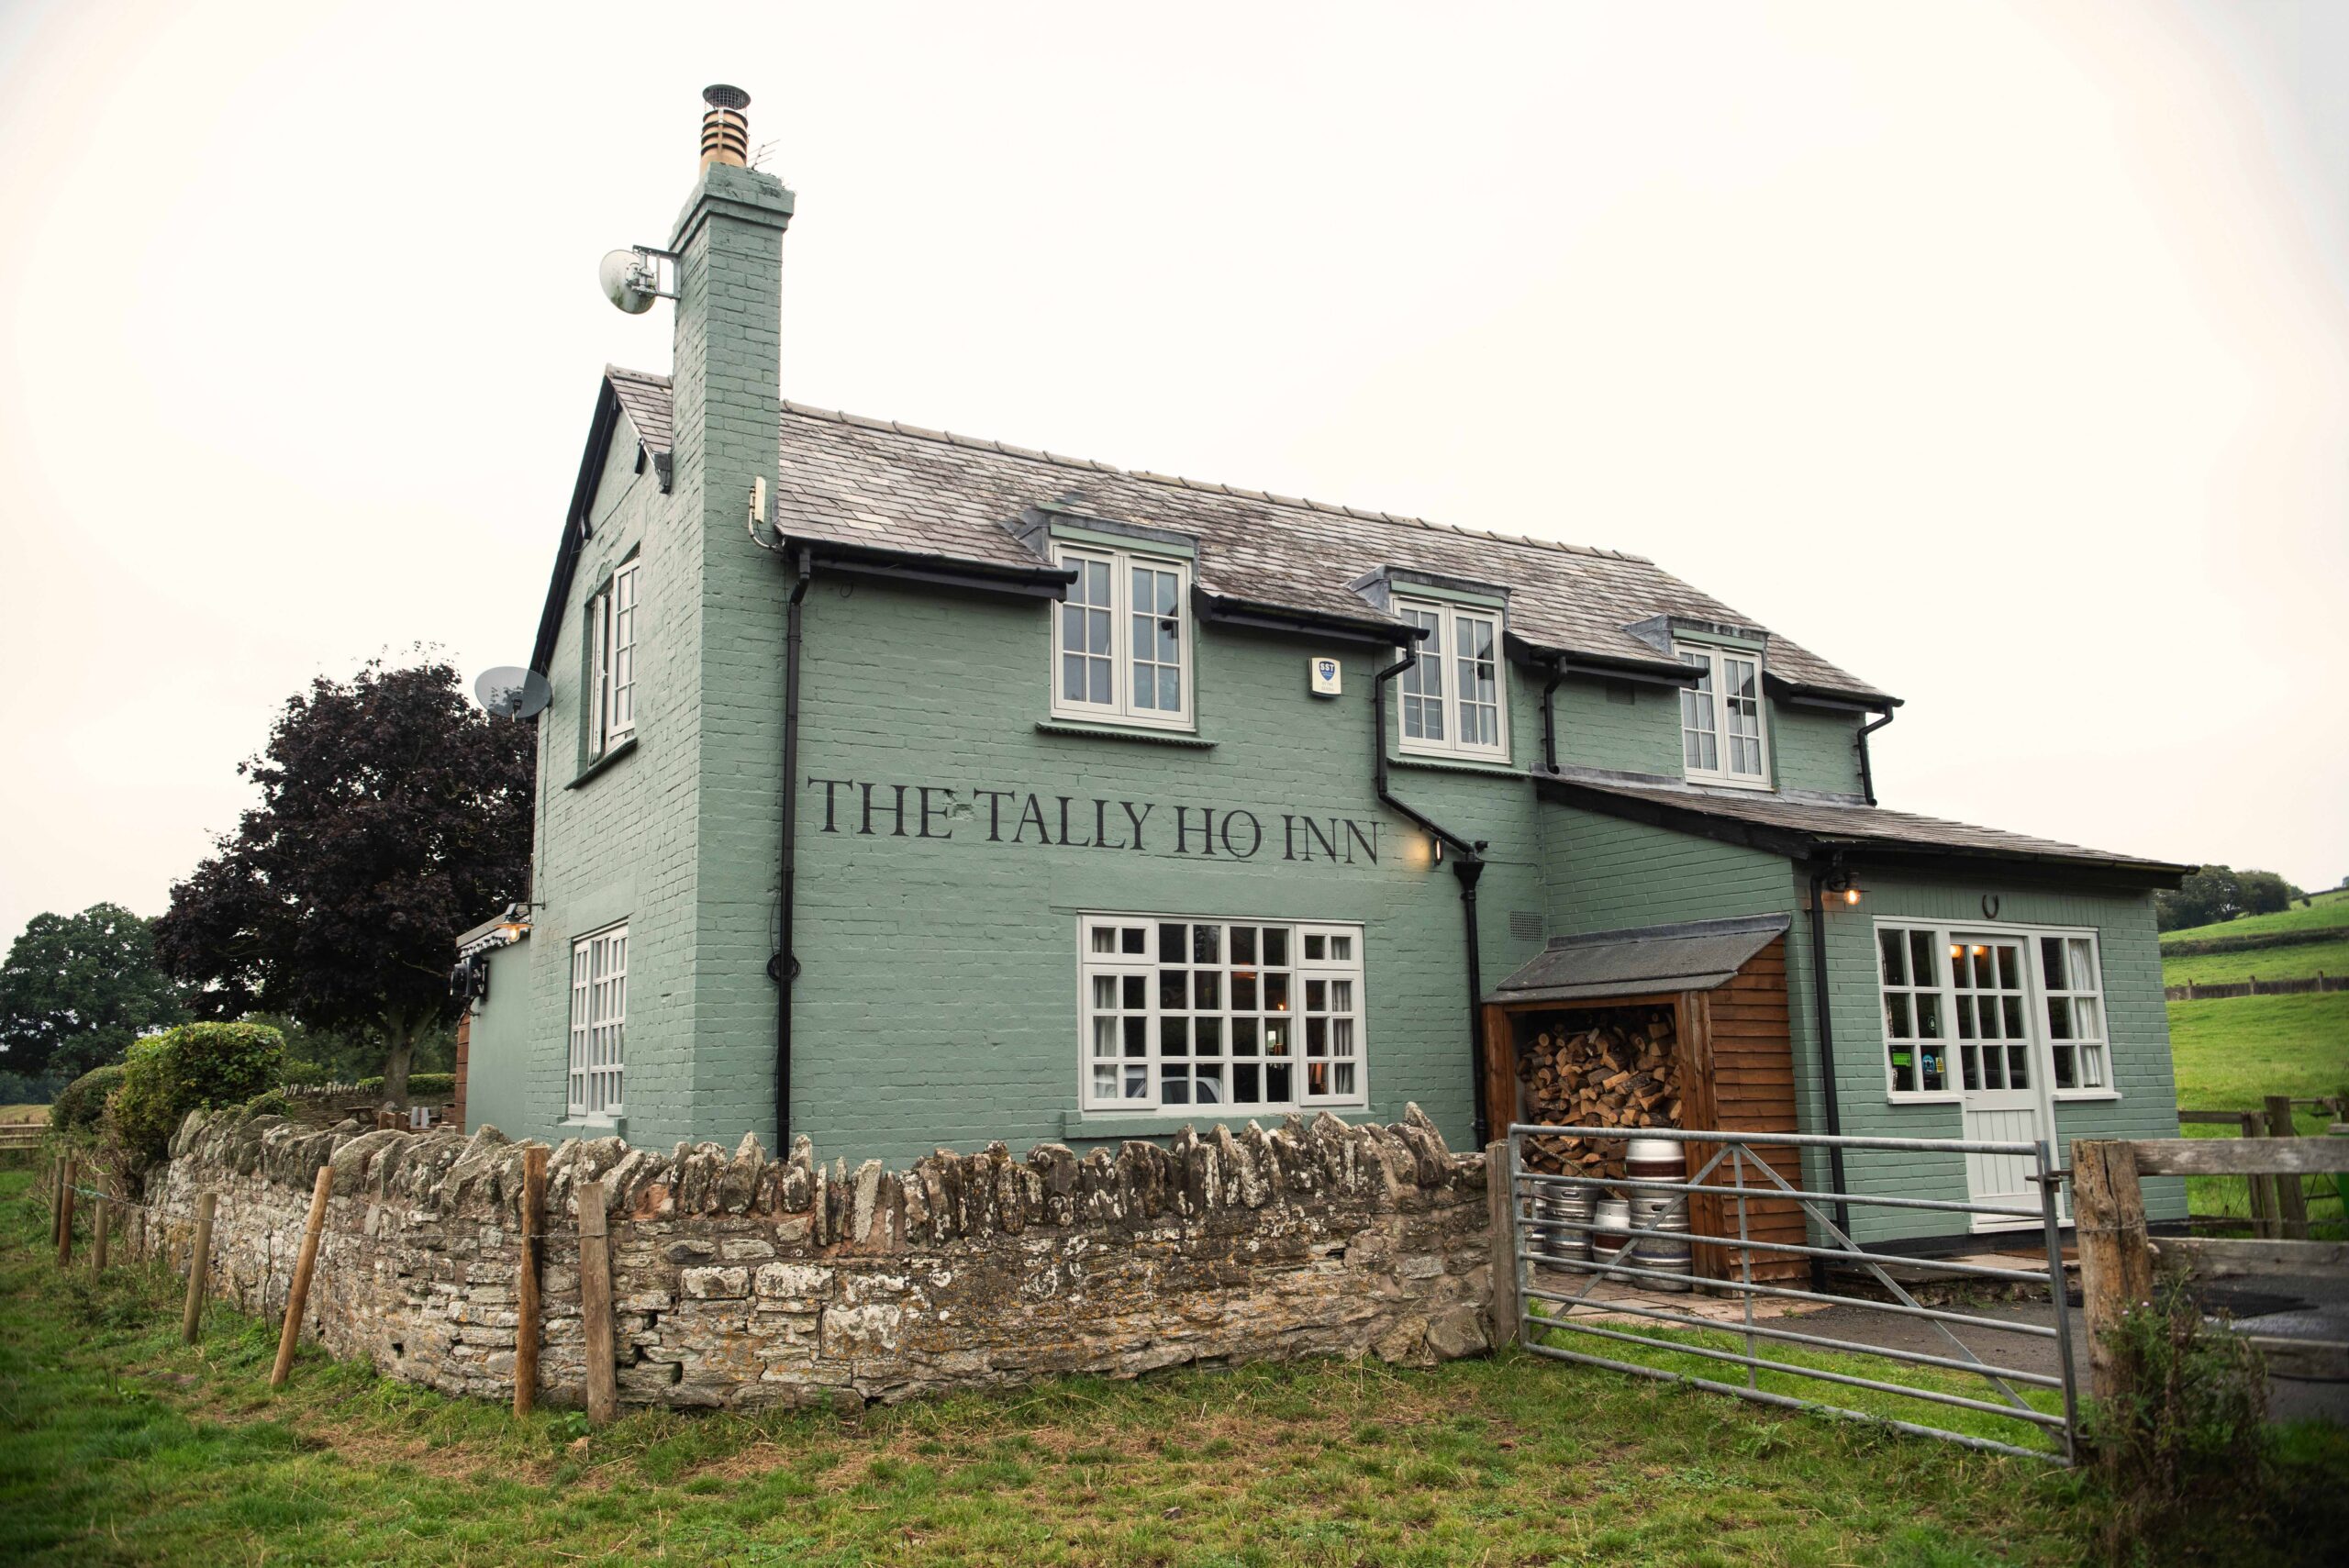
(59, 1177)
(595, 1305)
(199, 1269)
(1501, 1199)
(2116, 1267)
(526, 1292)
(101, 1218)
(2291, 1201)
(299, 1296)
(65, 1217)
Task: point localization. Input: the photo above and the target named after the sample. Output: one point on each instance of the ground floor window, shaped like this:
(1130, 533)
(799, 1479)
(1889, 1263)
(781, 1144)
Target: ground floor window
(598, 1022)
(1248, 1014)
(1967, 1009)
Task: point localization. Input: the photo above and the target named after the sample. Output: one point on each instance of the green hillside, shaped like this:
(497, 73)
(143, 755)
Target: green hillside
(2328, 909)
(2295, 963)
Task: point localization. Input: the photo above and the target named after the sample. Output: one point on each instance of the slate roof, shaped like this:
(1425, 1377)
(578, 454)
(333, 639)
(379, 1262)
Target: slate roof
(1808, 827)
(849, 480)
(1695, 955)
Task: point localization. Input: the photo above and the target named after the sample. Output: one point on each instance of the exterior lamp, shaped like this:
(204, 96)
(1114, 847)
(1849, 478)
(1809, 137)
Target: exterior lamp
(1841, 886)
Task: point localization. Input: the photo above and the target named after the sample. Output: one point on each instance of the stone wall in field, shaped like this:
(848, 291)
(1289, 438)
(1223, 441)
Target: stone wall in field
(742, 1280)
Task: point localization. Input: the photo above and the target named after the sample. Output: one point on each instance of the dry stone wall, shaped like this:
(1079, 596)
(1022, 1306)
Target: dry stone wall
(744, 1281)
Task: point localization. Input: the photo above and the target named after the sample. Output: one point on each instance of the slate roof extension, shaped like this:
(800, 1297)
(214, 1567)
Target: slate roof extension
(1645, 961)
(846, 480)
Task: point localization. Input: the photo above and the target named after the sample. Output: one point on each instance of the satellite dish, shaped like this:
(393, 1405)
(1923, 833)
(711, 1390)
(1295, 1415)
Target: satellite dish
(510, 692)
(629, 281)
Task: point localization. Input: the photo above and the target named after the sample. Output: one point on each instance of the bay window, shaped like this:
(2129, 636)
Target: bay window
(1239, 1014)
(1452, 698)
(1121, 644)
(1720, 717)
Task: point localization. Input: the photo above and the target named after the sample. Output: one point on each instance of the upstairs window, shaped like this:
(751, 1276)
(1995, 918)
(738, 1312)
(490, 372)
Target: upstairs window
(611, 654)
(1452, 698)
(1721, 717)
(1121, 641)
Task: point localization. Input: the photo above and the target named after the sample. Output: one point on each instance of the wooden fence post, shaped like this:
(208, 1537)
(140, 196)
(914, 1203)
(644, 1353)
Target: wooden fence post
(2291, 1201)
(65, 1215)
(2260, 1191)
(1501, 1200)
(199, 1269)
(319, 1191)
(57, 1179)
(100, 1223)
(596, 1304)
(526, 1292)
(2116, 1266)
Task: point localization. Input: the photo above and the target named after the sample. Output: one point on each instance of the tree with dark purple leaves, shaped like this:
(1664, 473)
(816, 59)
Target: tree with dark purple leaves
(394, 815)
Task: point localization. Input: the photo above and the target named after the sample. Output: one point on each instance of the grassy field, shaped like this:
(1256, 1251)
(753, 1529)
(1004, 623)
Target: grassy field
(120, 1446)
(11, 1115)
(2268, 963)
(2324, 909)
(2229, 1054)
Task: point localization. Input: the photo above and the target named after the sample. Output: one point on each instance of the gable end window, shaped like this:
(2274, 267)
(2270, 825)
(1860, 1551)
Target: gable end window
(1453, 698)
(598, 1022)
(1251, 1015)
(611, 662)
(1121, 640)
(1722, 717)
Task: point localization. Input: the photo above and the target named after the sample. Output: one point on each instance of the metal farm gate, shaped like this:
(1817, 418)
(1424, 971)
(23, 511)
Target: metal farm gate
(1643, 1264)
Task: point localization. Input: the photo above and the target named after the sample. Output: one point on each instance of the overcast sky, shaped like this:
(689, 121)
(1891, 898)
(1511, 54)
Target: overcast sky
(1997, 353)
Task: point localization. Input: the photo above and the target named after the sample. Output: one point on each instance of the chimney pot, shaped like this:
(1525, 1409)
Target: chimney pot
(725, 132)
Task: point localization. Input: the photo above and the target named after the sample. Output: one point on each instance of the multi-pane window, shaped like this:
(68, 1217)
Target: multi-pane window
(1970, 1010)
(1451, 699)
(611, 653)
(1121, 640)
(1720, 717)
(2074, 990)
(1247, 1015)
(598, 1022)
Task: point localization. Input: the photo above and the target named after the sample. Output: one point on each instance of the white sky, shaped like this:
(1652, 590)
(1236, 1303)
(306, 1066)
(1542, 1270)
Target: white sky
(1998, 354)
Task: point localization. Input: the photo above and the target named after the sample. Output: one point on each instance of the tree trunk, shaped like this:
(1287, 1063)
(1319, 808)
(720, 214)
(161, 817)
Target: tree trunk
(401, 1056)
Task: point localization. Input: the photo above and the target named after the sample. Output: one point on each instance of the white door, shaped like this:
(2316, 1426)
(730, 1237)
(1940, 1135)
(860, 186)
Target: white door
(1998, 1065)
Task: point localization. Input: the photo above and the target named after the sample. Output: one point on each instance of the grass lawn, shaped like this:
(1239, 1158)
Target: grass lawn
(2268, 963)
(120, 1445)
(2325, 910)
(2229, 1054)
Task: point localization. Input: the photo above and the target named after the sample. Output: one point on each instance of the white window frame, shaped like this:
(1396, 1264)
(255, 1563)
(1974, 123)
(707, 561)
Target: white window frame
(1123, 706)
(2091, 1048)
(1711, 703)
(612, 615)
(598, 1033)
(1434, 683)
(1322, 1022)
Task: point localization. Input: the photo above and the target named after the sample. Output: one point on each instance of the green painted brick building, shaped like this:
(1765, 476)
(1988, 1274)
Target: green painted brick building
(1117, 801)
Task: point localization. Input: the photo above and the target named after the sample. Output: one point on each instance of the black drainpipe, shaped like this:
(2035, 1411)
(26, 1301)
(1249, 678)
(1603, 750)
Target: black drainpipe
(1867, 774)
(1469, 866)
(1826, 1042)
(1550, 721)
(784, 966)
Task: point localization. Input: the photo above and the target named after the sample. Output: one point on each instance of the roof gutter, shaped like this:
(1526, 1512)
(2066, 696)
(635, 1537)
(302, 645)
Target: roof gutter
(1228, 611)
(1468, 866)
(944, 570)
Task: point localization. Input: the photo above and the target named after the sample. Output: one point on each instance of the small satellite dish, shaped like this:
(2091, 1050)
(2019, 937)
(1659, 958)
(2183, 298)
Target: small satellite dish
(629, 281)
(510, 692)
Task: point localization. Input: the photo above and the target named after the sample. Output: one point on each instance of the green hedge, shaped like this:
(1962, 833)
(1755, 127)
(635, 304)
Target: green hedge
(421, 1085)
(80, 1105)
(192, 1067)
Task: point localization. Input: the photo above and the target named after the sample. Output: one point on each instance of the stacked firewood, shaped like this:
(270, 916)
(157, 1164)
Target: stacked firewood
(1616, 1069)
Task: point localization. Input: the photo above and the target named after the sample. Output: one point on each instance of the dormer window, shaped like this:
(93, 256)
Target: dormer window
(1720, 717)
(1121, 640)
(1453, 700)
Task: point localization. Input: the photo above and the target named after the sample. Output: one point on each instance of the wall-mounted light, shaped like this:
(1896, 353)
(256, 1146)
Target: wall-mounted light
(1844, 888)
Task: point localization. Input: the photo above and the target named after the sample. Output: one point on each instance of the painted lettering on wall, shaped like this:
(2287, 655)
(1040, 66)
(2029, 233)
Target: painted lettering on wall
(868, 809)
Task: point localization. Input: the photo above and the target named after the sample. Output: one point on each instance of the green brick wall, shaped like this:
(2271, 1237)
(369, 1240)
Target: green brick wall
(1815, 751)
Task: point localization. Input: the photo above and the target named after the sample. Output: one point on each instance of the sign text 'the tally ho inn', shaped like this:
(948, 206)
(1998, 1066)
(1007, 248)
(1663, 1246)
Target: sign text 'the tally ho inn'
(871, 809)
